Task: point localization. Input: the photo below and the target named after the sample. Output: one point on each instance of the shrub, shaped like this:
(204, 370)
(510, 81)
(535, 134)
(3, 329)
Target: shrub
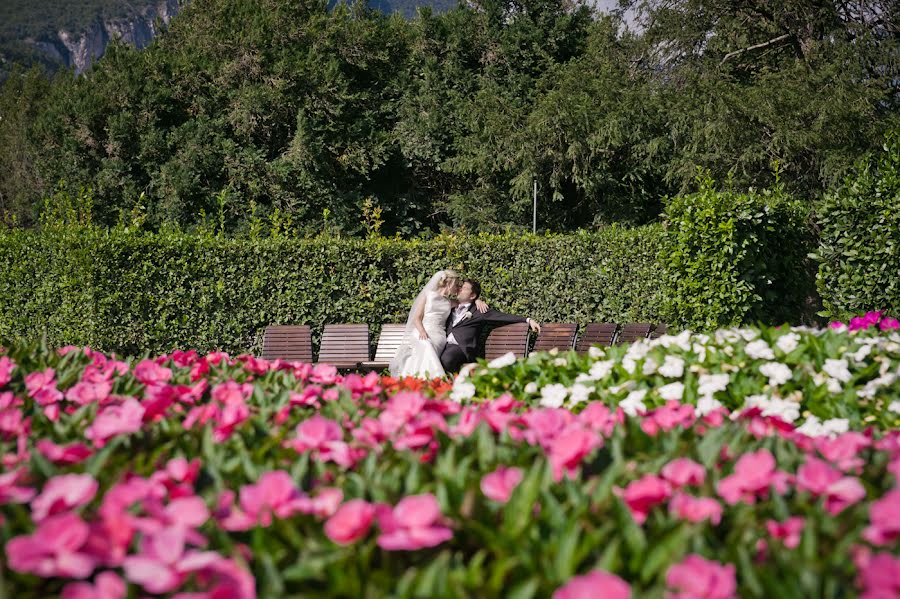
(859, 249)
(737, 258)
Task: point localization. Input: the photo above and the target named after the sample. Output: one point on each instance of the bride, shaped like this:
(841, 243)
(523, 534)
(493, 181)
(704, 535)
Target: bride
(426, 329)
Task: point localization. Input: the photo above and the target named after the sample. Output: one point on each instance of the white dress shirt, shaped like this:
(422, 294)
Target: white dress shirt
(457, 316)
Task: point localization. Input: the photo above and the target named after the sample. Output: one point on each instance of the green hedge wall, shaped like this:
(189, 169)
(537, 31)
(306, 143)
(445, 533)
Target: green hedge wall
(738, 258)
(859, 251)
(135, 293)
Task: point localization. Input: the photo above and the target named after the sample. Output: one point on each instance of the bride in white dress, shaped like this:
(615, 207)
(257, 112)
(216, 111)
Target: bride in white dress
(426, 332)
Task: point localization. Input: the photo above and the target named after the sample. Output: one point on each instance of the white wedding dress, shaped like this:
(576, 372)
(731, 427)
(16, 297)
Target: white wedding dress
(419, 357)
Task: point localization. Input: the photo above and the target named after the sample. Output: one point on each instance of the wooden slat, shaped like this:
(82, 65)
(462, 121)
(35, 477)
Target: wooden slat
(288, 342)
(344, 345)
(596, 333)
(556, 335)
(660, 330)
(388, 342)
(633, 331)
(505, 339)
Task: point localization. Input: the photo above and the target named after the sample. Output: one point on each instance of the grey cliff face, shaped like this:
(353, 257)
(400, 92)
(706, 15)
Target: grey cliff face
(81, 49)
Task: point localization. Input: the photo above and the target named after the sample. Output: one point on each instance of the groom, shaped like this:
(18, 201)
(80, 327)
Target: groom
(465, 323)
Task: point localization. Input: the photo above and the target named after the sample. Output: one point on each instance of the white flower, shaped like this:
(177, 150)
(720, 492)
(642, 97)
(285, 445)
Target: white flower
(811, 428)
(682, 340)
(777, 372)
(601, 369)
(637, 350)
(756, 401)
(595, 352)
(672, 391)
(507, 359)
(531, 388)
(748, 334)
(788, 343)
(579, 393)
(673, 367)
(726, 336)
(862, 353)
(894, 407)
(649, 366)
(560, 362)
(759, 350)
(836, 426)
(628, 364)
(700, 350)
(837, 369)
(584, 378)
(711, 383)
(553, 396)
(707, 404)
(785, 409)
(462, 390)
(834, 385)
(633, 404)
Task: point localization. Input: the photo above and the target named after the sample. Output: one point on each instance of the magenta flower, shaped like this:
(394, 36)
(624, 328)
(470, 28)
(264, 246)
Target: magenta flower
(683, 471)
(643, 494)
(116, 420)
(350, 522)
(149, 372)
(10, 492)
(412, 524)
(789, 530)
(817, 477)
(274, 494)
(6, 368)
(84, 393)
(889, 324)
(667, 417)
(880, 577)
(325, 438)
(64, 455)
(753, 474)
(54, 550)
(107, 585)
(569, 448)
(594, 585)
(62, 493)
(695, 509)
(699, 578)
(163, 564)
(884, 516)
(41, 386)
(499, 484)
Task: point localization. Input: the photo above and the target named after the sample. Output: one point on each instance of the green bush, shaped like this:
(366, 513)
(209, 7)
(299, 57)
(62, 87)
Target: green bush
(133, 293)
(859, 251)
(736, 258)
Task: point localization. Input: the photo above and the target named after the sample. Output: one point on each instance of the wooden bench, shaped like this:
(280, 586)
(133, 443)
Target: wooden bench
(633, 331)
(556, 335)
(388, 343)
(344, 345)
(508, 338)
(660, 330)
(596, 333)
(288, 342)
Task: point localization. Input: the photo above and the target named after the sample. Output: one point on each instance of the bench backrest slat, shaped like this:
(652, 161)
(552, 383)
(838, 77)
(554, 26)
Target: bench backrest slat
(631, 332)
(508, 338)
(344, 344)
(288, 342)
(388, 342)
(556, 335)
(596, 333)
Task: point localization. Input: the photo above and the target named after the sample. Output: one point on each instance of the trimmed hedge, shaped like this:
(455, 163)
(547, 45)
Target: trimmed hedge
(737, 258)
(137, 293)
(859, 251)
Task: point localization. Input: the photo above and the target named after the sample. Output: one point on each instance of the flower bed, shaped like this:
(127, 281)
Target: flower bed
(829, 380)
(237, 477)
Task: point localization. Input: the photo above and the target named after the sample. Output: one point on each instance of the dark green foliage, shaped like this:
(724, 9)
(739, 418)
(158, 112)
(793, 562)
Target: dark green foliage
(132, 293)
(859, 251)
(736, 258)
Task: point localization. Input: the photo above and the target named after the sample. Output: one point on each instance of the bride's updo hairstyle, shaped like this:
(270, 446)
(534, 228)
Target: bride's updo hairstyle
(447, 283)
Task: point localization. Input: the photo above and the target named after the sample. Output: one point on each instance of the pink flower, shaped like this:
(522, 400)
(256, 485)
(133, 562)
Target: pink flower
(880, 577)
(62, 493)
(843, 450)
(594, 585)
(753, 474)
(411, 524)
(643, 494)
(273, 494)
(6, 368)
(884, 515)
(116, 420)
(64, 455)
(695, 509)
(684, 471)
(163, 564)
(699, 578)
(889, 324)
(107, 585)
(149, 372)
(9, 492)
(54, 550)
(789, 530)
(325, 437)
(667, 417)
(350, 522)
(84, 393)
(568, 449)
(499, 484)
(41, 385)
(819, 478)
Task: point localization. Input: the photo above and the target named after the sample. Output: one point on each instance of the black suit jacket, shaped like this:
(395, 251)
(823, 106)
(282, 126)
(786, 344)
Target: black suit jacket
(468, 330)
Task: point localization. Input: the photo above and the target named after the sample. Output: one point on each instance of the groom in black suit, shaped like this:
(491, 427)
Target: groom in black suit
(465, 324)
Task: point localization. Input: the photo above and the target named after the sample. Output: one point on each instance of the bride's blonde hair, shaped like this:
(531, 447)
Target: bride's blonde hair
(447, 282)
